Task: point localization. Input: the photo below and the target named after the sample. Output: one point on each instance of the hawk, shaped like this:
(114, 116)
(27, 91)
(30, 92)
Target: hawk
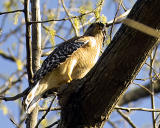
(72, 59)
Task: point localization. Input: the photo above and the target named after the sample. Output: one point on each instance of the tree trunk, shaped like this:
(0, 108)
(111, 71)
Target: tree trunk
(36, 53)
(87, 102)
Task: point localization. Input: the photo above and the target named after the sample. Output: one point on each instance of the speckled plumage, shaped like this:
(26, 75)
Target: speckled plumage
(58, 56)
(72, 59)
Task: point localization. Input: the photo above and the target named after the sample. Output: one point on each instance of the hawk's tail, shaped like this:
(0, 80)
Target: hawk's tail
(33, 96)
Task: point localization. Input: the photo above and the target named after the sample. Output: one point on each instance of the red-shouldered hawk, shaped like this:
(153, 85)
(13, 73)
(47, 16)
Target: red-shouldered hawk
(72, 59)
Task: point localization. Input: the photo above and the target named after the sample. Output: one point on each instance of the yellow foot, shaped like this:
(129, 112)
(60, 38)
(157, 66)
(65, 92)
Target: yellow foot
(70, 79)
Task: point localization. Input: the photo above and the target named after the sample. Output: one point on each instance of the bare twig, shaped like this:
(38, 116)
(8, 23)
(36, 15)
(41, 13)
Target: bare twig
(11, 118)
(11, 33)
(119, 17)
(143, 88)
(137, 109)
(152, 59)
(153, 70)
(12, 83)
(14, 97)
(119, 5)
(13, 121)
(43, 117)
(14, 11)
(64, 19)
(4, 55)
(67, 13)
(47, 29)
(126, 118)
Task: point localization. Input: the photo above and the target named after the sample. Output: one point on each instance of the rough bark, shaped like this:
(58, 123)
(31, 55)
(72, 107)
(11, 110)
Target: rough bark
(87, 102)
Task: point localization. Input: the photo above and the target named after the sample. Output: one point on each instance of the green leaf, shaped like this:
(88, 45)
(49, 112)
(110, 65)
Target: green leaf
(4, 109)
(44, 122)
(52, 33)
(77, 23)
(19, 64)
(103, 19)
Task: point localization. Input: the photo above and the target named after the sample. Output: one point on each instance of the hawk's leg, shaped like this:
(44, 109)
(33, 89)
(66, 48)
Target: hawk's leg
(70, 78)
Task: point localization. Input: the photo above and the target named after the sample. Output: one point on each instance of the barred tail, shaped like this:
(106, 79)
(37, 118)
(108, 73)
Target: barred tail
(31, 99)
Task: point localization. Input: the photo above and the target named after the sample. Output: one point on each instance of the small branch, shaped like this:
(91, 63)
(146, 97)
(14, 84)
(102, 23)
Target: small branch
(14, 11)
(12, 83)
(13, 121)
(11, 33)
(119, 5)
(47, 29)
(120, 17)
(4, 55)
(146, 89)
(67, 13)
(153, 70)
(14, 97)
(126, 118)
(63, 19)
(43, 117)
(137, 109)
(152, 59)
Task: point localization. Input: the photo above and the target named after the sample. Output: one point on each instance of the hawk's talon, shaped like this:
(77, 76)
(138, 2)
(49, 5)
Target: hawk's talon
(70, 78)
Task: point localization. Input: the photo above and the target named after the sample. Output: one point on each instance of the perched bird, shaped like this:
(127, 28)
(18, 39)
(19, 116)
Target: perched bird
(72, 59)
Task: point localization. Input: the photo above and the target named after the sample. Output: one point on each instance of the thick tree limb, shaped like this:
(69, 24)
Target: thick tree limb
(138, 93)
(88, 102)
(36, 53)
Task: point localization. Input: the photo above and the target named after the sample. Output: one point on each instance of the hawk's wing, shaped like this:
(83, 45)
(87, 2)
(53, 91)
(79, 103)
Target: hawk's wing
(58, 56)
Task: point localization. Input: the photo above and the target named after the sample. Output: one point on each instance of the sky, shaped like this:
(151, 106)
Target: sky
(7, 67)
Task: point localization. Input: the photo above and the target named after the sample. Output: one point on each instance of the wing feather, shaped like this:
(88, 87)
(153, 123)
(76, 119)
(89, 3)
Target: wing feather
(58, 56)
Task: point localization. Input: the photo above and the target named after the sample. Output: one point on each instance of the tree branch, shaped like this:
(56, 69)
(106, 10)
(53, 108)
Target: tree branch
(14, 11)
(14, 97)
(137, 109)
(43, 117)
(4, 55)
(63, 19)
(28, 41)
(138, 93)
(127, 119)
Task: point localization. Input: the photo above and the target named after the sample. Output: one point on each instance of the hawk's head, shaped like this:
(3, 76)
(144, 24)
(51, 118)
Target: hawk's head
(96, 29)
